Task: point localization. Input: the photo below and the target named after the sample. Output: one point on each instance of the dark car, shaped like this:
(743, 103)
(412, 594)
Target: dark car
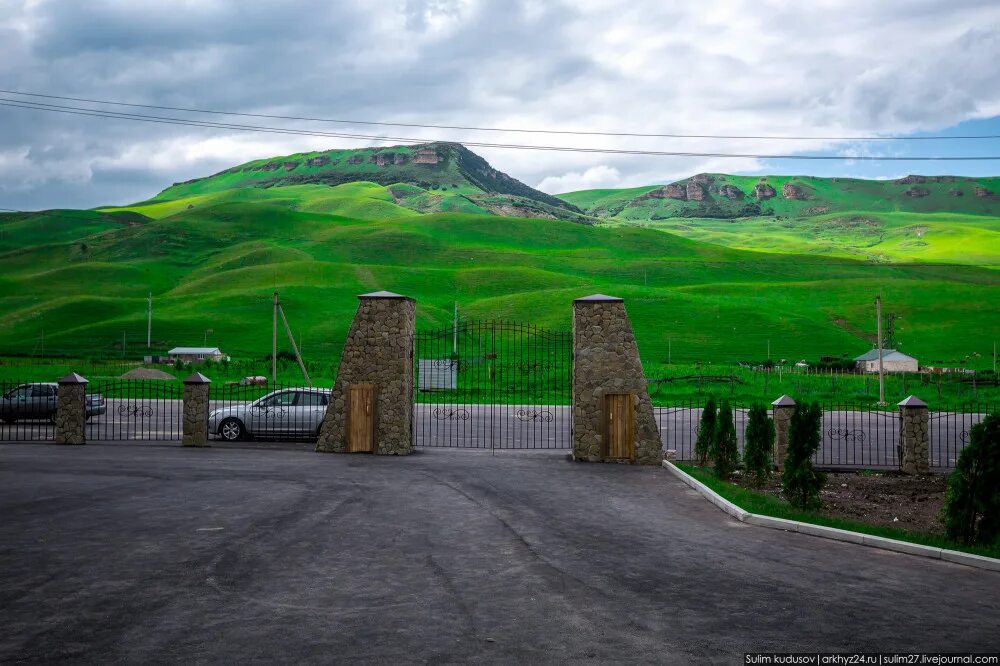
(38, 401)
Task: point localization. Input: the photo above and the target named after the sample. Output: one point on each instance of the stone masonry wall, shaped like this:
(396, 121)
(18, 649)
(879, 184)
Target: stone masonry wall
(71, 413)
(606, 360)
(914, 440)
(783, 408)
(195, 423)
(379, 351)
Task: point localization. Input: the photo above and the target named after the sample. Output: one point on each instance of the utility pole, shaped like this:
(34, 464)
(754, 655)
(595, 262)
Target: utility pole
(454, 331)
(149, 321)
(291, 339)
(881, 370)
(769, 349)
(274, 342)
(123, 344)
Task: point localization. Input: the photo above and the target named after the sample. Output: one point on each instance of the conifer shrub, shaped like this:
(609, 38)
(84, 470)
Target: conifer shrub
(758, 445)
(972, 502)
(706, 432)
(800, 482)
(725, 451)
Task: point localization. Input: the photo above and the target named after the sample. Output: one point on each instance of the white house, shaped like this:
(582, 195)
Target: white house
(195, 354)
(892, 361)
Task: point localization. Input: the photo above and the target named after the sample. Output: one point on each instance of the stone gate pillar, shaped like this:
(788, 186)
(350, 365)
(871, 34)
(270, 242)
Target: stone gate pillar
(914, 438)
(606, 360)
(71, 410)
(379, 352)
(195, 423)
(782, 410)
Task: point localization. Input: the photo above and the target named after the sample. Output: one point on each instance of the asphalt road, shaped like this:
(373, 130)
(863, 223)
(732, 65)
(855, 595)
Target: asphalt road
(851, 439)
(140, 553)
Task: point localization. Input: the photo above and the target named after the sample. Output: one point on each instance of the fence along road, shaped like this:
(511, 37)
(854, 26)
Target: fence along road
(860, 439)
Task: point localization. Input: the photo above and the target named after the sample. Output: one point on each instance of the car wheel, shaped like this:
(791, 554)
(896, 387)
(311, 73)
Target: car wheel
(231, 430)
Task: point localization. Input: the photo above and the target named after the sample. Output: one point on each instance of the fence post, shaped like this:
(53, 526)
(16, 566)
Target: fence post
(195, 428)
(71, 410)
(377, 361)
(606, 361)
(914, 438)
(781, 409)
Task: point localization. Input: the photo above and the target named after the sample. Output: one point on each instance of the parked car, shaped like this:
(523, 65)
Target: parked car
(38, 401)
(294, 412)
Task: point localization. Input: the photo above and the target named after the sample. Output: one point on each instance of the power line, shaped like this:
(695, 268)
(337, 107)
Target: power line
(82, 111)
(474, 128)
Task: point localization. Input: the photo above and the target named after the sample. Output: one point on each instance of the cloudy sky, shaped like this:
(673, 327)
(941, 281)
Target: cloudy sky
(728, 67)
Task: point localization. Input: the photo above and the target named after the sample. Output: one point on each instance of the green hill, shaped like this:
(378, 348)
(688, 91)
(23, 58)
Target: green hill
(212, 250)
(916, 218)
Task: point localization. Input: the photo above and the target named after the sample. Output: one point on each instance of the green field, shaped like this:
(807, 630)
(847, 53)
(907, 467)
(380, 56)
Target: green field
(74, 282)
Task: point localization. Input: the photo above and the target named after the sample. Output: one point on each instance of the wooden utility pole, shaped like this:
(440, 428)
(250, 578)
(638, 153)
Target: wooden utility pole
(881, 370)
(274, 342)
(149, 321)
(454, 331)
(291, 338)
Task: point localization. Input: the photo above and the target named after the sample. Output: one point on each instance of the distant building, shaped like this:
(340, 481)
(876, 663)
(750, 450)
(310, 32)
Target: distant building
(195, 354)
(892, 361)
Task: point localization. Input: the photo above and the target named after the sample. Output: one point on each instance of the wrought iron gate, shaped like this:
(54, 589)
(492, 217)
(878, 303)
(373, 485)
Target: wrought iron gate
(493, 385)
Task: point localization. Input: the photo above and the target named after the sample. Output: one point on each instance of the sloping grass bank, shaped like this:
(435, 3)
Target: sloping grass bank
(767, 505)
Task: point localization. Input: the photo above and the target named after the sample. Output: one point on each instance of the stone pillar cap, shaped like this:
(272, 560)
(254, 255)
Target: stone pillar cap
(197, 378)
(73, 378)
(384, 294)
(783, 401)
(912, 401)
(598, 298)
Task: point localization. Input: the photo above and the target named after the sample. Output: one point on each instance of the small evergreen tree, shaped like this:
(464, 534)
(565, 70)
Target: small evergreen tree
(758, 444)
(725, 448)
(972, 503)
(800, 482)
(706, 432)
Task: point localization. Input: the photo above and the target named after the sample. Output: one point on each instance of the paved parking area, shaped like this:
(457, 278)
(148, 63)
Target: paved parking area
(140, 552)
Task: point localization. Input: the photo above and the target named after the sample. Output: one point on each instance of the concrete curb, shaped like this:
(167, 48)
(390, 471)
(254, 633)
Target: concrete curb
(978, 561)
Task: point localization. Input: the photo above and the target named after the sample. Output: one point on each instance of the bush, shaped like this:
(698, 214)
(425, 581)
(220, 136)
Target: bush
(972, 503)
(800, 482)
(725, 448)
(706, 432)
(758, 444)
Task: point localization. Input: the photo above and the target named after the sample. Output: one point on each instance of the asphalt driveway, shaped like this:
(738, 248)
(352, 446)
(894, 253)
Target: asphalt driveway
(143, 553)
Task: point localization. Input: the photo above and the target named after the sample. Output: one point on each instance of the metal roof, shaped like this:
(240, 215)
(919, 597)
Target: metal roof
(195, 350)
(887, 355)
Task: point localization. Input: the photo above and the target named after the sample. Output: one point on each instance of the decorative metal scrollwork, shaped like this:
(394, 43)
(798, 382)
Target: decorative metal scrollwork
(451, 414)
(847, 434)
(135, 411)
(964, 436)
(533, 414)
(448, 363)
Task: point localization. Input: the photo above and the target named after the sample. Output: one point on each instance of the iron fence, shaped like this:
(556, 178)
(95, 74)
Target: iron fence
(134, 409)
(853, 436)
(271, 411)
(27, 411)
(949, 432)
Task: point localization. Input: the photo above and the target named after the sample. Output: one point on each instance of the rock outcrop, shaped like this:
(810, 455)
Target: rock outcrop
(318, 161)
(791, 191)
(695, 192)
(911, 180)
(732, 192)
(426, 156)
(917, 192)
(675, 191)
(955, 193)
(984, 193)
(763, 191)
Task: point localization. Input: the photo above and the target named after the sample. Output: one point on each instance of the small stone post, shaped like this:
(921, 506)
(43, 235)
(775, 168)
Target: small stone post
(606, 360)
(195, 428)
(914, 438)
(782, 410)
(71, 410)
(378, 351)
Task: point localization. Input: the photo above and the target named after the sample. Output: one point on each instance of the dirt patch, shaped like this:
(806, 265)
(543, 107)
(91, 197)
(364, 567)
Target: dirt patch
(147, 373)
(911, 503)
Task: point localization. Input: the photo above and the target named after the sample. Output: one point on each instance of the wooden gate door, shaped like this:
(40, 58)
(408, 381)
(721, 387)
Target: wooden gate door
(619, 426)
(361, 418)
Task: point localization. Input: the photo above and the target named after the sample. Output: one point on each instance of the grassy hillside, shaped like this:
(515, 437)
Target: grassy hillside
(213, 259)
(935, 219)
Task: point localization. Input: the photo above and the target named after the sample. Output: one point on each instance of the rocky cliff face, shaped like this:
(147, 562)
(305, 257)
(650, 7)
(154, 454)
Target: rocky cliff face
(791, 191)
(731, 192)
(695, 192)
(763, 191)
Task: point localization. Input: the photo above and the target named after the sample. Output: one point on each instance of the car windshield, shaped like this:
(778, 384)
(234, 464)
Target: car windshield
(19, 392)
(284, 399)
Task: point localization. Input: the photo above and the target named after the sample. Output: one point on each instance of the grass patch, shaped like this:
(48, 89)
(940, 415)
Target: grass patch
(766, 505)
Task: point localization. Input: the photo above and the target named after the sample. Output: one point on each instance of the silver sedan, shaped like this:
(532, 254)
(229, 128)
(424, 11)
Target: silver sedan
(294, 412)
